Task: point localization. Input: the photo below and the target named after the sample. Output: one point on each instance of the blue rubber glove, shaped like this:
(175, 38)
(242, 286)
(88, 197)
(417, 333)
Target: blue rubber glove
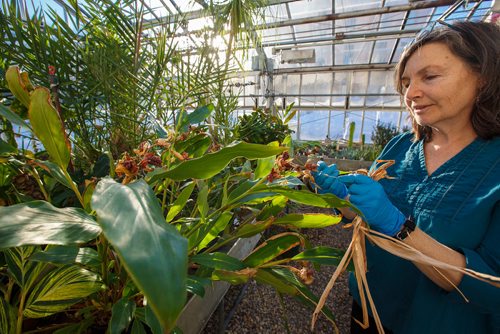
(326, 179)
(369, 197)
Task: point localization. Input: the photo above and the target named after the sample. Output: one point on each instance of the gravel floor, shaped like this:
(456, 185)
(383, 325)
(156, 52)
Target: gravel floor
(260, 310)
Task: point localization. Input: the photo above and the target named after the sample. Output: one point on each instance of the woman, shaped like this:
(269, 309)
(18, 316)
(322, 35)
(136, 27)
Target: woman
(444, 200)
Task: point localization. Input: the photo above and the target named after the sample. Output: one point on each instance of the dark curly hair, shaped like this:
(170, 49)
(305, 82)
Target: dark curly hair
(478, 45)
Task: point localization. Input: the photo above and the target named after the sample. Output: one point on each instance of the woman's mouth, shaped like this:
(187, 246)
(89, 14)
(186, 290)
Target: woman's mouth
(419, 109)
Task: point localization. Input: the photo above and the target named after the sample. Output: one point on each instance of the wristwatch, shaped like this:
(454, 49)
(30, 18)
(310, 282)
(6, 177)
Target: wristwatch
(408, 227)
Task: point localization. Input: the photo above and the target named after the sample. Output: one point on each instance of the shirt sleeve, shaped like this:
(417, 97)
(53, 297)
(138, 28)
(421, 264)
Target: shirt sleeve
(485, 259)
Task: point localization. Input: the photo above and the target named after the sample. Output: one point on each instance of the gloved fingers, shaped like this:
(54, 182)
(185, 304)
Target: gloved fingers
(350, 179)
(371, 190)
(321, 166)
(319, 178)
(331, 170)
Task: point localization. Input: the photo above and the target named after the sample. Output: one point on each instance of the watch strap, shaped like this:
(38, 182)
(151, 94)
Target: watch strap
(408, 227)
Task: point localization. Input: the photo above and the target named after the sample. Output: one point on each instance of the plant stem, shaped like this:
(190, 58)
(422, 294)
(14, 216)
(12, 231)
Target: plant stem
(19, 327)
(73, 187)
(40, 185)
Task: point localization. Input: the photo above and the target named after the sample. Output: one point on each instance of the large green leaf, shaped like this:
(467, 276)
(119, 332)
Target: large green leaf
(265, 165)
(197, 116)
(122, 315)
(21, 269)
(311, 220)
(218, 261)
(59, 289)
(272, 248)
(214, 229)
(48, 126)
(6, 148)
(180, 202)
(17, 86)
(39, 223)
(7, 317)
(68, 255)
(300, 196)
(211, 164)
(56, 172)
(265, 276)
(322, 255)
(152, 251)
(13, 117)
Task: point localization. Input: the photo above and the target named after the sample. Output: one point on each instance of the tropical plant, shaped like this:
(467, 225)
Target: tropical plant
(264, 126)
(115, 80)
(119, 246)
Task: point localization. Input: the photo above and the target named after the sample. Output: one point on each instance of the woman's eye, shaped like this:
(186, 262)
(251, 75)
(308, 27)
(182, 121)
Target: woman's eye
(430, 77)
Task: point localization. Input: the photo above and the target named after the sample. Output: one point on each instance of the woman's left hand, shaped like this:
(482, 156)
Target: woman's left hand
(369, 197)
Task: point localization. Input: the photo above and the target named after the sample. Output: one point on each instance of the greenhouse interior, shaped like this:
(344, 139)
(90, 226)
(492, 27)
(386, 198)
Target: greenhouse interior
(249, 166)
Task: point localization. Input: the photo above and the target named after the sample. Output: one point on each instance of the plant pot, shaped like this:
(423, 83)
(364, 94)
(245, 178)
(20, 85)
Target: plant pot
(198, 310)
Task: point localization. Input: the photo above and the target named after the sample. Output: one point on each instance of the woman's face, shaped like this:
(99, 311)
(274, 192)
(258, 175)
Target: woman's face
(439, 88)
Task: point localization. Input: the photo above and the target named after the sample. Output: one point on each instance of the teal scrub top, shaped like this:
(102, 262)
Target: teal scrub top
(458, 205)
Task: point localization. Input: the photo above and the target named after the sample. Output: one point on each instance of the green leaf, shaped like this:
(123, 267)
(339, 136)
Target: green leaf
(212, 163)
(311, 220)
(21, 269)
(308, 198)
(6, 148)
(40, 223)
(272, 248)
(152, 321)
(231, 276)
(17, 86)
(122, 315)
(196, 285)
(265, 276)
(48, 126)
(219, 226)
(138, 328)
(59, 289)
(7, 317)
(218, 261)
(153, 252)
(197, 116)
(322, 255)
(265, 165)
(68, 255)
(55, 171)
(13, 117)
(195, 146)
(180, 202)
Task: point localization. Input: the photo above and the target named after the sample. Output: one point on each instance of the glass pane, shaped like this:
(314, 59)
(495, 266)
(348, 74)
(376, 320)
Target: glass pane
(357, 118)
(391, 21)
(309, 8)
(274, 13)
(353, 53)
(292, 87)
(419, 18)
(337, 124)
(358, 86)
(339, 87)
(313, 84)
(313, 30)
(313, 124)
(380, 83)
(342, 6)
(382, 51)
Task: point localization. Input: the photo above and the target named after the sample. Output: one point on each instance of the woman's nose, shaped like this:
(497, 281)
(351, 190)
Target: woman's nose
(413, 91)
